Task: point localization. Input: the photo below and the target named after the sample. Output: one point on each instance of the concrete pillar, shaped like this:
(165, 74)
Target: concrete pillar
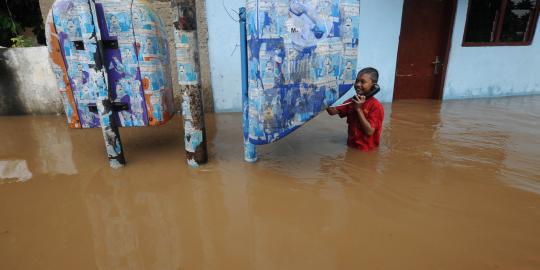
(188, 69)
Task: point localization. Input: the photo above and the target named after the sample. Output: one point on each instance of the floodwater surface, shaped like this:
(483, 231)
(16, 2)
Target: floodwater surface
(454, 185)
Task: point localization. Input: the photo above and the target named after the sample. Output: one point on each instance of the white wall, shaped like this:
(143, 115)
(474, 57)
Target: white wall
(380, 23)
(490, 71)
(28, 83)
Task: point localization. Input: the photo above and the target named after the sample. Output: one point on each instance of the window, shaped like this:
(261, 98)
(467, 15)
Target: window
(500, 22)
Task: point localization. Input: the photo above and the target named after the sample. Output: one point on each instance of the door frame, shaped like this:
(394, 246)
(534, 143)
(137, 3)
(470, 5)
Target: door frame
(438, 91)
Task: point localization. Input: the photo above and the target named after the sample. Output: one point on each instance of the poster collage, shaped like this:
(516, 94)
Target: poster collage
(186, 49)
(302, 56)
(185, 40)
(135, 55)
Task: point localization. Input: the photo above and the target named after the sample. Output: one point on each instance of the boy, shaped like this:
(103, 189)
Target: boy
(364, 115)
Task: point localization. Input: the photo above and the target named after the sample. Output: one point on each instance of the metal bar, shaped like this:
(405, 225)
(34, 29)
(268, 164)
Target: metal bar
(188, 68)
(250, 151)
(98, 76)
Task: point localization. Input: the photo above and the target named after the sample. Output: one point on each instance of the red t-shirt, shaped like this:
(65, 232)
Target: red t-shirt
(374, 113)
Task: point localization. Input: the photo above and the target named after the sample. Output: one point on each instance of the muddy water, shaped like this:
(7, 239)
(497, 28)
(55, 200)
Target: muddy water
(455, 185)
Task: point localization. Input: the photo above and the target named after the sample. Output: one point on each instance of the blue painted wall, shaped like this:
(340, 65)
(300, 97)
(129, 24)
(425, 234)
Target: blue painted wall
(472, 71)
(490, 71)
(380, 23)
(224, 54)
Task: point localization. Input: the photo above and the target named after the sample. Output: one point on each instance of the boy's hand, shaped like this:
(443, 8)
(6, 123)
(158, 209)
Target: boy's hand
(332, 111)
(358, 100)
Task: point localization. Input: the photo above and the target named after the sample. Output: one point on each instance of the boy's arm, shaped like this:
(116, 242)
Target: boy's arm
(375, 117)
(342, 109)
(367, 129)
(332, 111)
(365, 125)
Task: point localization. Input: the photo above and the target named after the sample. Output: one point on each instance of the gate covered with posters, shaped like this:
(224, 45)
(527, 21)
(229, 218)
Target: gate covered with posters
(300, 57)
(111, 61)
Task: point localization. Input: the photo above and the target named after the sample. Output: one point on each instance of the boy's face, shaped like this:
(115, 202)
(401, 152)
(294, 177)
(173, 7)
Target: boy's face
(363, 84)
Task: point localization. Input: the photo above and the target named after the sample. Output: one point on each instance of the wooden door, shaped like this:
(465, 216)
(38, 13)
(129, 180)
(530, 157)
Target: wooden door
(424, 42)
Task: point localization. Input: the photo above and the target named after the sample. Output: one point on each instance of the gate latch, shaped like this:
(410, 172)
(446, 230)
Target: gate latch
(115, 107)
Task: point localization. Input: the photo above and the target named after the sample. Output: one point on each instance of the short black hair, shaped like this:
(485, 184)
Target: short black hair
(372, 72)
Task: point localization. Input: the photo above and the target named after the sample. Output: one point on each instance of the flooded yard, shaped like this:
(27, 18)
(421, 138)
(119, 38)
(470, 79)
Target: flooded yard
(454, 185)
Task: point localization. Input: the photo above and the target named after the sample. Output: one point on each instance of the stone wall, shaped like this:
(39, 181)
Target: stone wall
(163, 8)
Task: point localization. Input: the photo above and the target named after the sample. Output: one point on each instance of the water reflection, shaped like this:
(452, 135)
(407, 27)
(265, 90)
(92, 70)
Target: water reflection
(54, 147)
(14, 170)
(43, 143)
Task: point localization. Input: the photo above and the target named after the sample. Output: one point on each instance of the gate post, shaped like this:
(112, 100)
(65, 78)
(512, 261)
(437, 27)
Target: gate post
(187, 63)
(250, 152)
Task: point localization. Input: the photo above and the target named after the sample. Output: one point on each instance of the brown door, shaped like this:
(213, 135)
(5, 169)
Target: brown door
(426, 29)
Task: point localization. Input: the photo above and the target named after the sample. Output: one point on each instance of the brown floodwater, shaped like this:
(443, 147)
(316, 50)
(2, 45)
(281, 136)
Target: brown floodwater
(454, 185)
